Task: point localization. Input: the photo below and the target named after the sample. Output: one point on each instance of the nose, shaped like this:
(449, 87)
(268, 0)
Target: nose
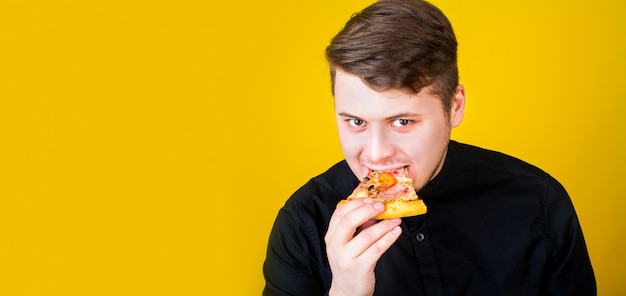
(379, 146)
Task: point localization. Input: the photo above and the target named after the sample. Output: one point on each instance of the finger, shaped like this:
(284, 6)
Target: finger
(343, 210)
(344, 222)
(378, 237)
(380, 246)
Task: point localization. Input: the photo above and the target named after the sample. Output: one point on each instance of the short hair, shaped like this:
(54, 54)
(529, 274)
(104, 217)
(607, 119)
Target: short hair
(398, 44)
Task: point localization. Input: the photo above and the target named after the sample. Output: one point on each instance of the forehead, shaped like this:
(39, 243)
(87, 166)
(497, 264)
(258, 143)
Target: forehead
(355, 97)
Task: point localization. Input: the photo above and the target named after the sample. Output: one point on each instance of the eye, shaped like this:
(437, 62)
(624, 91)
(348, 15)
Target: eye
(401, 122)
(354, 122)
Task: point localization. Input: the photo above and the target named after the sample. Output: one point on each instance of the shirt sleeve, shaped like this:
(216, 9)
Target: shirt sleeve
(569, 271)
(294, 263)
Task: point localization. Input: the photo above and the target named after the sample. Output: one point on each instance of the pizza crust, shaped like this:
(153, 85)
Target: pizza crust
(401, 208)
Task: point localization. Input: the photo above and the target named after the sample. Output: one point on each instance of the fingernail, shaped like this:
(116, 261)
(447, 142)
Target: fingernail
(368, 200)
(379, 206)
(396, 220)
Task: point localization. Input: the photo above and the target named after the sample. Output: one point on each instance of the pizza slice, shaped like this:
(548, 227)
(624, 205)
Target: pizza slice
(395, 191)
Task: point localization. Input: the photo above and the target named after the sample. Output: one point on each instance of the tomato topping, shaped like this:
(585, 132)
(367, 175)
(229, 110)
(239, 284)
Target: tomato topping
(386, 180)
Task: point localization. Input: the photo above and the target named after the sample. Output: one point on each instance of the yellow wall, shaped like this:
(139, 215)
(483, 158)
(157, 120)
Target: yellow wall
(126, 127)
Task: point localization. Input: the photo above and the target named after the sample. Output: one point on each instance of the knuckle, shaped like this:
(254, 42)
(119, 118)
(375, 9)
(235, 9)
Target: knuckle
(377, 249)
(367, 235)
(349, 220)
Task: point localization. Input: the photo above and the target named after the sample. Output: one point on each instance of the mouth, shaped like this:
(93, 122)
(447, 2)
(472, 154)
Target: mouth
(395, 170)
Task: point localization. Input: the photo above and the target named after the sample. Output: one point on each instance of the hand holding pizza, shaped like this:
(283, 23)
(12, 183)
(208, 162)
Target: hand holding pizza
(352, 256)
(355, 241)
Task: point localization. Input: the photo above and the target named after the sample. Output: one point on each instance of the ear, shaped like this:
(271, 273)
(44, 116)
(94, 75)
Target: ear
(457, 108)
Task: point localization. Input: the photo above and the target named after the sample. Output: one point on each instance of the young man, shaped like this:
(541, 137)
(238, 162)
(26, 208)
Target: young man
(495, 225)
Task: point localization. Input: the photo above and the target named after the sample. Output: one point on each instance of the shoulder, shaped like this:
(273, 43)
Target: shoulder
(296, 256)
(475, 167)
(482, 160)
(301, 223)
(322, 193)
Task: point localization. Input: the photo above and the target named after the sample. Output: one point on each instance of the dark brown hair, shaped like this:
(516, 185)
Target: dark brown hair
(398, 44)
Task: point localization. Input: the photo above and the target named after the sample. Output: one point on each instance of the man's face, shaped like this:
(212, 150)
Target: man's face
(390, 130)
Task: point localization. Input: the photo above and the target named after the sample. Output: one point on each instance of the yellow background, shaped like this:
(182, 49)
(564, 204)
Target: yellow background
(127, 129)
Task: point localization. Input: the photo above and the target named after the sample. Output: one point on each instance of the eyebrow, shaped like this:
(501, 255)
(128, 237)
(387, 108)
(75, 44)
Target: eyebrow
(345, 114)
(395, 116)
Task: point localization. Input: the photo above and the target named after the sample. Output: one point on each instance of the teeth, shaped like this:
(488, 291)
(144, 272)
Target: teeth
(390, 170)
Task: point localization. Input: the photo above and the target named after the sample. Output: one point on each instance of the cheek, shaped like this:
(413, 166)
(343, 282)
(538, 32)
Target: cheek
(352, 153)
(424, 148)
(349, 145)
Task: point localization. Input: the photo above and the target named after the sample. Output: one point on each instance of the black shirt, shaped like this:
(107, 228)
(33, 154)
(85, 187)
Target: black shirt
(495, 226)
